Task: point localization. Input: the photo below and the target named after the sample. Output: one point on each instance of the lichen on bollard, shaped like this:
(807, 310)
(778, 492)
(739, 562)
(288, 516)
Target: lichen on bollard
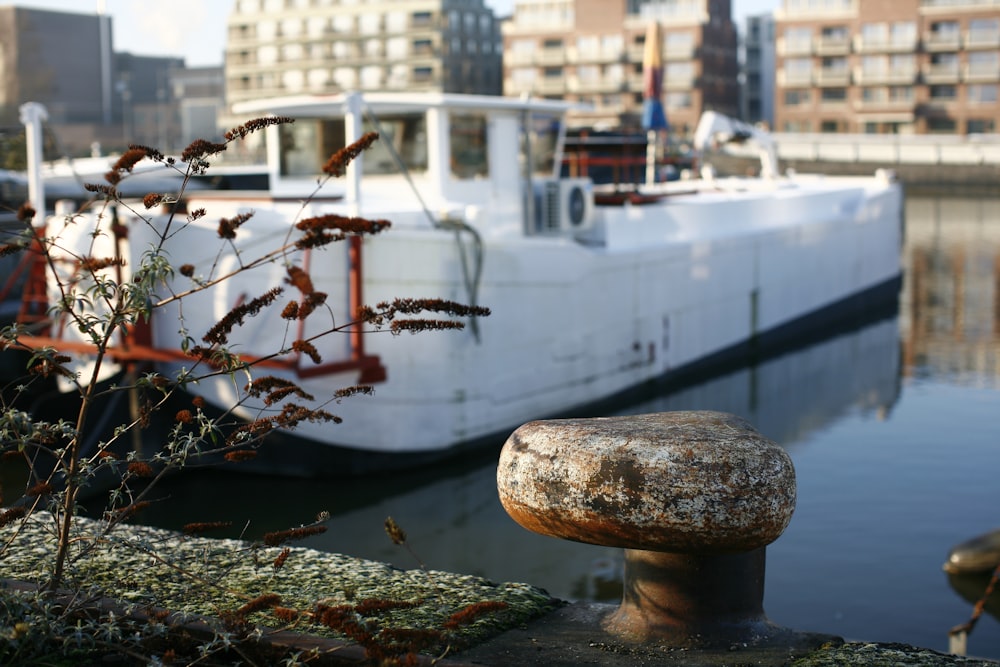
(693, 497)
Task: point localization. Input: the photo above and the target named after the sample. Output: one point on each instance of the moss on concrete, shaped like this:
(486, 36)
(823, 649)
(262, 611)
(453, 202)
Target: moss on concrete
(150, 566)
(883, 655)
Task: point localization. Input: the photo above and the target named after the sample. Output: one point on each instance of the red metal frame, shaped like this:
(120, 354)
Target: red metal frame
(137, 345)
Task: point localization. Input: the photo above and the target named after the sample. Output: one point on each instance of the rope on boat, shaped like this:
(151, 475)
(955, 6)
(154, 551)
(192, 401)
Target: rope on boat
(471, 277)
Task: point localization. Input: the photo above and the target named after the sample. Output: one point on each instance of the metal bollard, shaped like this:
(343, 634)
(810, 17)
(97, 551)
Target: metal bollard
(692, 497)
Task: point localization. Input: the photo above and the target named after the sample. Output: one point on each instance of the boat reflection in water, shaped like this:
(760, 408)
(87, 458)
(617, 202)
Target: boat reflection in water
(453, 517)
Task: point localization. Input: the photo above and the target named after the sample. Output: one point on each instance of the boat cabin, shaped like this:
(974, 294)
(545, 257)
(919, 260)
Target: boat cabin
(441, 154)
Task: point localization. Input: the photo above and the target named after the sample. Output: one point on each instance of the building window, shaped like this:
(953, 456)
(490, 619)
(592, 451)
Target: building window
(399, 76)
(796, 97)
(874, 66)
(835, 33)
(316, 26)
(293, 80)
(395, 22)
(679, 42)
(945, 29)
(984, 63)
(395, 47)
(833, 95)
(903, 33)
(874, 34)
(902, 63)
(797, 125)
(900, 94)
(422, 74)
(345, 77)
(683, 71)
(343, 23)
(980, 126)
(943, 93)
(982, 93)
(798, 67)
(291, 28)
(421, 19)
(371, 76)
(552, 44)
(874, 95)
(941, 125)
(318, 78)
(679, 100)
(829, 126)
(423, 47)
(588, 45)
(267, 30)
(369, 24)
(267, 55)
(469, 149)
(523, 76)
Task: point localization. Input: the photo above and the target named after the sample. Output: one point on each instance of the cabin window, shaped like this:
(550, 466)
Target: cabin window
(543, 135)
(407, 134)
(307, 144)
(469, 154)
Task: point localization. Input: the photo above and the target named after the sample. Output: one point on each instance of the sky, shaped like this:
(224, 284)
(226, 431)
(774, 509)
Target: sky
(196, 29)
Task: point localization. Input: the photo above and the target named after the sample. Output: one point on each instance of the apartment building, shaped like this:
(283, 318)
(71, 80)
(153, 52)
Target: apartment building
(285, 47)
(590, 51)
(757, 85)
(60, 59)
(93, 95)
(880, 66)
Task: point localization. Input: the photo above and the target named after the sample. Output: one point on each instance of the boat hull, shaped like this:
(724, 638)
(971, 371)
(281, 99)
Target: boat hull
(646, 294)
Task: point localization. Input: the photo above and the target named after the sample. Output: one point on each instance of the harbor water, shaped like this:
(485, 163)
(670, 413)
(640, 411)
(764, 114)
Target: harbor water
(893, 424)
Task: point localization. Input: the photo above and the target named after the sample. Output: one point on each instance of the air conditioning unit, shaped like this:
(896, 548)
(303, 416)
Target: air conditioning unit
(564, 206)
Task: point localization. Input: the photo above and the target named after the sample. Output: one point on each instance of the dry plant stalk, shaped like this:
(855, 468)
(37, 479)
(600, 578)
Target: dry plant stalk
(106, 300)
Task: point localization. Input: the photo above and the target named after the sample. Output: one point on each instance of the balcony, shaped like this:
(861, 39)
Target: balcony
(679, 52)
(833, 46)
(982, 39)
(550, 57)
(514, 58)
(944, 73)
(885, 76)
(885, 104)
(833, 76)
(794, 47)
(942, 41)
(512, 87)
(680, 82)
(982, 73)
(601, 86)
(885, 45)
(550, 85)
(788, 79)
(582, 56)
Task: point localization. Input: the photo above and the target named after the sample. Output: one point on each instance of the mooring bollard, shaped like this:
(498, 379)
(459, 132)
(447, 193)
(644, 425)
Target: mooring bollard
(692, 497)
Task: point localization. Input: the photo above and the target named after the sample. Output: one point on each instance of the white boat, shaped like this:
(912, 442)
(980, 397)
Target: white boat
(588, 299)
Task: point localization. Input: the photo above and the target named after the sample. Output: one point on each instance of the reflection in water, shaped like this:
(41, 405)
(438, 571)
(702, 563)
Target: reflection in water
(971, 588)
(951, 317)
(456, 522)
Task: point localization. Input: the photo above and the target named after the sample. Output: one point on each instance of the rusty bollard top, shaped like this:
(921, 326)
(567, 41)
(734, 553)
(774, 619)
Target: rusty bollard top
(682, 482)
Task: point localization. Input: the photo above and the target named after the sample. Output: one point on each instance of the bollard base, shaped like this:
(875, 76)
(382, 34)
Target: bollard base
(573, 636)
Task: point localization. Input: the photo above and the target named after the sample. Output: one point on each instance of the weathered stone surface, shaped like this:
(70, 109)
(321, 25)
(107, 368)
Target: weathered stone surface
(682, 482)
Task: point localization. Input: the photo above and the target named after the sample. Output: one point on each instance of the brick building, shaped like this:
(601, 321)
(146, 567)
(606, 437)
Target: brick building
(590, 51)
(888, 66)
